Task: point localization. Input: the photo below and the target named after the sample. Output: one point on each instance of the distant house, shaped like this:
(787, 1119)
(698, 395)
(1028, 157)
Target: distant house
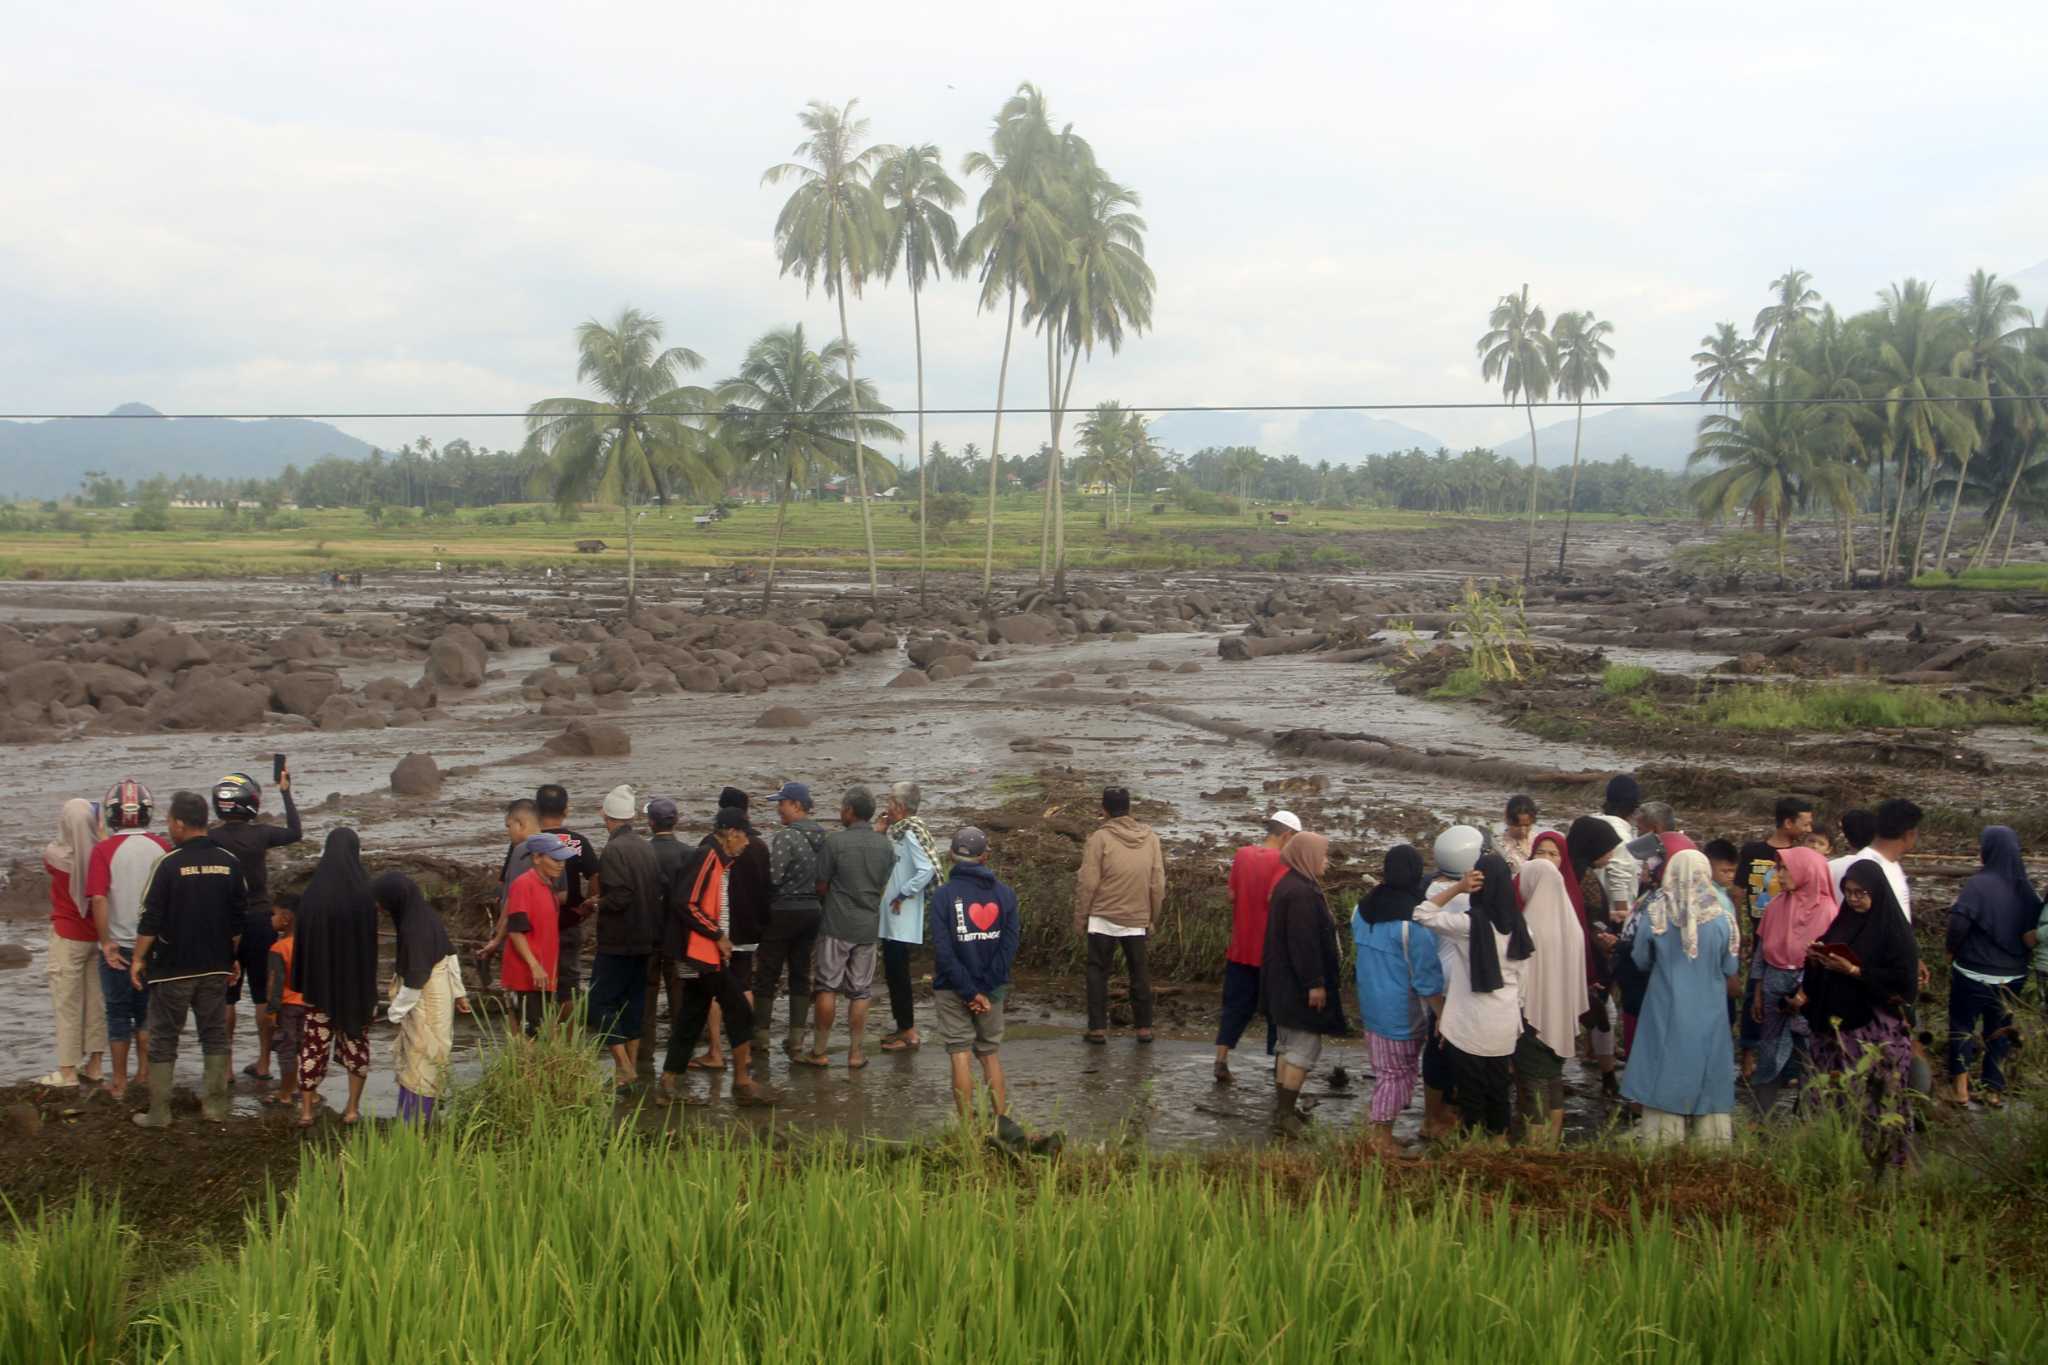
(1097, 490)
(200, 504)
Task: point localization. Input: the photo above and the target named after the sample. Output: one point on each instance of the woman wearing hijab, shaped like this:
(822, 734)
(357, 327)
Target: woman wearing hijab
(1801, 905)
(1988, 950)
(1589, 846)
(1399, 979)
(1554, 995)
(1486, 950)
(1301, 974)
(334, 966)
(1860, 976)
(1630, 981)
(426, 992)
(74, 949)
(1682, 1068)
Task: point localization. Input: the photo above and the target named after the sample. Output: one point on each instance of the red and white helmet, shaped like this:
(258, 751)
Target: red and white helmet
(127, 806)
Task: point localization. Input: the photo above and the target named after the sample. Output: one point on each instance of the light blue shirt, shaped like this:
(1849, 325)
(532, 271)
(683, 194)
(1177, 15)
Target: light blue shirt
(910, 879)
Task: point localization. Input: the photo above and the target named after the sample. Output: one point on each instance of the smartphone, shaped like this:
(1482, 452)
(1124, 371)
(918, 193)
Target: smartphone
(276, 768)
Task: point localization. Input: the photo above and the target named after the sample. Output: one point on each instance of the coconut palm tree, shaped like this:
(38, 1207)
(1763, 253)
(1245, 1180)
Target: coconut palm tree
(1726, 360)
(923, 241)
(1582, 353)
(1829, 357)
(1243, 464)
(1517, 350)
(1765, 458)
(834, 228)
(629, 443)
(790, 419)
(1014, 229)
(1990, 358)
(1916, 341)
(2028, 444)
(1792, 305)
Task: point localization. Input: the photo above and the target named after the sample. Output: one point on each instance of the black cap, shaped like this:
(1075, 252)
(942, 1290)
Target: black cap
(732, 796)
(730, 817)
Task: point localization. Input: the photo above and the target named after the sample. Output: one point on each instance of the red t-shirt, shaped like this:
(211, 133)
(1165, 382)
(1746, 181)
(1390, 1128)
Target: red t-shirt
(1253, 874)
(67, 916)
(530, 910)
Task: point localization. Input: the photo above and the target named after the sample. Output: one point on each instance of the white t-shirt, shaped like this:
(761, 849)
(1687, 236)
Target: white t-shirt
(1621, 873)
(1893, 873)
(120, 871)
(1482, 1024)
(1109, 928)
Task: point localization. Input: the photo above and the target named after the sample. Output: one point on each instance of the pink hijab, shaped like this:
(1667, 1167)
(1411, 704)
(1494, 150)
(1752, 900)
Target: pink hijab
(1793, 921)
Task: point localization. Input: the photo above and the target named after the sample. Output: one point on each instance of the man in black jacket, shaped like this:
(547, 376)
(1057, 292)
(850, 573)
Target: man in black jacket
(236, 801)
(749, 892)
(664, 970)
(628, 926)
(185, 943)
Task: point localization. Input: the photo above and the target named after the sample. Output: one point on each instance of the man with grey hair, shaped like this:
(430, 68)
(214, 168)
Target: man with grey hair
(903, 907)
(853, 868)
(1656, 817)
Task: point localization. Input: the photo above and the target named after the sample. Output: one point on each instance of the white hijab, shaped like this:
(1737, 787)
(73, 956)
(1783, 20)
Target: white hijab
(71, 851)
(1554, 978)
(1689, 898)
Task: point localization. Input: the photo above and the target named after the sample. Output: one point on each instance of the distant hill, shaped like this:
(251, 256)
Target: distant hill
(45, 459)
(2033, 286)
(1339, 437)
(1659, 437)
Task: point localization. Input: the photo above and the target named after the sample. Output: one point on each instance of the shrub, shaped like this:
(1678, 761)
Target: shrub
(153, 513)
(1206, 504)
(1621, 679)
(1464, 682)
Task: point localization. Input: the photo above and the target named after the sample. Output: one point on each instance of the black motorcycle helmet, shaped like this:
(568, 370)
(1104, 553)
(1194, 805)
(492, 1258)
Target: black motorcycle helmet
(237, 797)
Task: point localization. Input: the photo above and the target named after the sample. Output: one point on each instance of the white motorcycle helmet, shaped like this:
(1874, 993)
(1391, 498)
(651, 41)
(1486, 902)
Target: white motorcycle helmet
(1458, 849)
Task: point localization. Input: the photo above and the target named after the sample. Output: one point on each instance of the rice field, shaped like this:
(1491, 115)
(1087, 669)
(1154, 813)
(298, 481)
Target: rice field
(1854, 706)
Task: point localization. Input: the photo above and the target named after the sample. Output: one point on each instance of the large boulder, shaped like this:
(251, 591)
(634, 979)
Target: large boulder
(416, 775)
(209, 704)
(591, 740)
(302, 642)
(910, 677)
(113, 683)
(781, 718)
(162, 650)
(342, 714)
(698, 678)
(1026, 629)
(451, 664)
(45, 682)
(302, 694)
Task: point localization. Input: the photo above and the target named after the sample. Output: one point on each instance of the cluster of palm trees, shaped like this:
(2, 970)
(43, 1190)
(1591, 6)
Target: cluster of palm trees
(1118, 444)
(1818, 411)
(1053, 232)
(1530, 359)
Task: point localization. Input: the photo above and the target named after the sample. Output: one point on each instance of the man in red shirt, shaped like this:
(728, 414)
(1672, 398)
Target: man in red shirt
(1253, 874)
(533, 926)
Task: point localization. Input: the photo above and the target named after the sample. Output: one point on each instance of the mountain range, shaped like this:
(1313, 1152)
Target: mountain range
(1339, 437)
(48, 459)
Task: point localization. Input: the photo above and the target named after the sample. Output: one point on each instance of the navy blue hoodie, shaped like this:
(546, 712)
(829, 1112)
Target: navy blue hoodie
(975, 930)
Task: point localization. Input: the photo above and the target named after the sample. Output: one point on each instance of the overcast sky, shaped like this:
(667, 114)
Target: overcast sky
(234, 207)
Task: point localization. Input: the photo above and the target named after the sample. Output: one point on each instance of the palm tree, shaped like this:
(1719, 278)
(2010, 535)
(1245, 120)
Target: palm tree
(1726, 360)
(923, 240)
(1244, 463)
(2029, 433)
(630, 443)
(789, 418)
(1793, 305)
(1014, 229)
(1582, 351)
(1991, 360)
(1765, 458)
(1916, 341)
(1829, 358)
(835, 227)
(1517, 351)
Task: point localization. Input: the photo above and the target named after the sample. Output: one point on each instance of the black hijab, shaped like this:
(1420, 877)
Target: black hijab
(1400, 889)
(1883, 943)
(1589, 838)
(422, 940)
(334, 962)
(1496, 909)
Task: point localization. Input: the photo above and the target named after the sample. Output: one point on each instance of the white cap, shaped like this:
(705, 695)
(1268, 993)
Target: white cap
(1285, 818)
(619, 803)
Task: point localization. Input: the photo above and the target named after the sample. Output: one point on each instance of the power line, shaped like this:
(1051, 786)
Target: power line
(1490, 406)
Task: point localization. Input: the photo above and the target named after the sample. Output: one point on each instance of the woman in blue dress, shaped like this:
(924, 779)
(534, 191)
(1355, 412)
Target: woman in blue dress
(1682, 1069)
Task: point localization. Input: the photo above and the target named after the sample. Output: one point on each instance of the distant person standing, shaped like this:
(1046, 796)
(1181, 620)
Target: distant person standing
(1301, 976)
(533, 928)
(1253, 873)
(237, 800)
(903, 906)
(793, 912)
(1988, 952)
(664, 972)
(748, 894)
(185, 945)
(576, 891)
(693, 933)
(853, 866)
(1485, 952)
(975, 933)
(334, 967)
(1400, 984)
(1120, 888)
(628, 926)
(74, 948)
(121, 867)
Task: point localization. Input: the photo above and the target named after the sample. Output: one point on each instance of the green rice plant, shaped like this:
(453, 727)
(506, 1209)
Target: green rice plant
(578, 1243)
(63, 1282)
(1496, 630)
(1461, 683)
(529, 1083)
(1991, 578)
(1618, 680)
(1858, 706)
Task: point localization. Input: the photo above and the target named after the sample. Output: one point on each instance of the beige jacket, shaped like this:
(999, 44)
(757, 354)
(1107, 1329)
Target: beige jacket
(1123, 876)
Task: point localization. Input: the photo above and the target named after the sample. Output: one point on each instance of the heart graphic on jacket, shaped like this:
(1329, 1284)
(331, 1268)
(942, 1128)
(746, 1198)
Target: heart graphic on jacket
(983, 915)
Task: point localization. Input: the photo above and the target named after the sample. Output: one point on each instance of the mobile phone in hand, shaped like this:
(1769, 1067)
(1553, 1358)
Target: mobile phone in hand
(276, 768)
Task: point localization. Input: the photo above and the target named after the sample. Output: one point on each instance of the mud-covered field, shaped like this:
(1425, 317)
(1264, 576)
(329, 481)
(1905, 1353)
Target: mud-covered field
(1214, 697)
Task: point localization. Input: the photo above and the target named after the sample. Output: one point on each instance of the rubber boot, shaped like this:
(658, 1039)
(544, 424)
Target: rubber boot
(214, 1103)
(158, 1115)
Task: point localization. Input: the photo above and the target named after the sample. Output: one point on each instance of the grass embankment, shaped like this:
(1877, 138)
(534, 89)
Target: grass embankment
(1819, 708)
(827, 535)
(2005, 578)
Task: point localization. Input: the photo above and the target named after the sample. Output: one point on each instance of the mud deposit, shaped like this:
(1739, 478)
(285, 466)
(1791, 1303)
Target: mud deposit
(1214, 697)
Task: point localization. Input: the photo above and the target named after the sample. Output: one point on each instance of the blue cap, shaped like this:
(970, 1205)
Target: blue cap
(794, 791)
(551, 845)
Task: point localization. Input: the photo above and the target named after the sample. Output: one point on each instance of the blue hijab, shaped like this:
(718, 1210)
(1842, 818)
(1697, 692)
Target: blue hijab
(2000, 902)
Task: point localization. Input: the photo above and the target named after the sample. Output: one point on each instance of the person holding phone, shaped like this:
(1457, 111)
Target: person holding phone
(237, 801)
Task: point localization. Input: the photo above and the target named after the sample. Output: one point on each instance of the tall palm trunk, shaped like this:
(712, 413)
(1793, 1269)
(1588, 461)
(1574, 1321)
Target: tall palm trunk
(1045, 516)
(860, 459)
(632, 562)
(995, 453)
(1955, 505)
(1893, 544)
(1059, 461)
(1926, 509)
(2019, 467)
(923, 508)
(775, 550)
(1572, 489)
(2012, 531)
(1529, 554)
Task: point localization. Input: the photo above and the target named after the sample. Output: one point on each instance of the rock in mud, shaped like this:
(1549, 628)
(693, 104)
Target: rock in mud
(45, 682)
(302, 694)
(1160, 666)
(111, 682)
(24, 1119)
(416, 775)
(210, 704)
(339, 713)
(1227, 794)
(449, 664)
(1056, 680)
(910, 677)
(1025, 629)
(698, 678)
(588, 740)
(1189, 666)
(781, 718)
(13, 955)
(978, 684)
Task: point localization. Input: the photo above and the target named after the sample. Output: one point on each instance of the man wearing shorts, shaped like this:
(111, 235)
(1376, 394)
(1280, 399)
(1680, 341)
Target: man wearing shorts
(853, 871)
(975, 929)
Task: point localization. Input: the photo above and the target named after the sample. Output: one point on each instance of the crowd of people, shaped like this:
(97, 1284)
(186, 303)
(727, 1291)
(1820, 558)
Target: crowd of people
(1676, 968)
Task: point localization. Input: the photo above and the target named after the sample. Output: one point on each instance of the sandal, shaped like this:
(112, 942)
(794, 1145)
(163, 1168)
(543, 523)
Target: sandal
(856, 1063)
(756, 1097)
(702, 1064)
(55, 1081)
(1145, 1037)
(819, 1063)
(1993, 1099)
(1099, 1039)
(251, 1071)
(304, 1122)
(898, 1043)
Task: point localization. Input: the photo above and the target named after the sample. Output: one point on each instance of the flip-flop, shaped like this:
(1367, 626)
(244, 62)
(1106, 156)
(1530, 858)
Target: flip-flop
(898, 1044)
(251, 1071)
(1145, 1039)
(1099, 1039)
(55, 1081)
(1993, 1099)
(348, 1122)
(699, 1064)
(817, 1063)
(855, 1063)
(756, 1098)
(303, 1123)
